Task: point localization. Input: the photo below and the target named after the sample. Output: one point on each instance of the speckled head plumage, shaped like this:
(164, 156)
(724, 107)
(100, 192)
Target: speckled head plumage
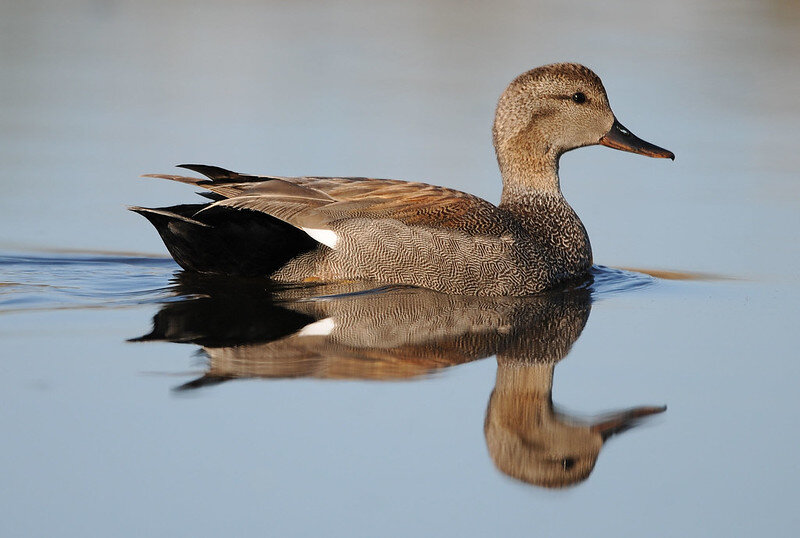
(555, 108)
(550, 110)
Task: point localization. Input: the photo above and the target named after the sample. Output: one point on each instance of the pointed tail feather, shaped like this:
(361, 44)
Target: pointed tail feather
(214, 173)
(181, 179)
(220, 175)
(164, 213)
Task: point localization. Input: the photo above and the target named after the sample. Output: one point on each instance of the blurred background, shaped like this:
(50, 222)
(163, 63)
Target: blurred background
(95, 93)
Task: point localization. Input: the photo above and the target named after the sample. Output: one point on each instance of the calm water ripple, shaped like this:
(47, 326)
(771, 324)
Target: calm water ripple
(41, 281)
(50, 281)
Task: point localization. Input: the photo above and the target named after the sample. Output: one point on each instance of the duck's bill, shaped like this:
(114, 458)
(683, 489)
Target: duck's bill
(624, 420)
(620, 137)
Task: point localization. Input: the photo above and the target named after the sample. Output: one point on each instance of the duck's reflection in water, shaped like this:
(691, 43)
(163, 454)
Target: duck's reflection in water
(349, 332)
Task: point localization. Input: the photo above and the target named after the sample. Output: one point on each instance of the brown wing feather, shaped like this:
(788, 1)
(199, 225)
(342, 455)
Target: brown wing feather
(303, 213)
(315, 201)
(417, 204)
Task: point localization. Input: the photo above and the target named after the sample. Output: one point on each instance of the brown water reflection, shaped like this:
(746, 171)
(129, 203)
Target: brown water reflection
(351, 332)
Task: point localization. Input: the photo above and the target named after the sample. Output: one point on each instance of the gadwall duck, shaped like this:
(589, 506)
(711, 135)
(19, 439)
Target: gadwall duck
(326, 229)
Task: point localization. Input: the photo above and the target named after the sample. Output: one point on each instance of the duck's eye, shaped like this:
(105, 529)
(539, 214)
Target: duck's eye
(579, 97)
(567, 463)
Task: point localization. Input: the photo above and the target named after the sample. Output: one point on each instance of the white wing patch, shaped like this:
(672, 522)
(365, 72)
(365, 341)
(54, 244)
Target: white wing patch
(329, 238)
(323, 327)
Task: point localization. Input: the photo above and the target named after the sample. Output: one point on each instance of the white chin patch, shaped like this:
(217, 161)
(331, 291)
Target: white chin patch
(326, 237)
(323, 327)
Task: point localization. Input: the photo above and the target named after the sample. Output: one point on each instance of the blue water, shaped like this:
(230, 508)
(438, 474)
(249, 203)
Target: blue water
(46, 282)
(358, 434)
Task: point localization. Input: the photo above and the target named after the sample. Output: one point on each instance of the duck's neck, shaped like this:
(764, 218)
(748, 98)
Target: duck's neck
(530, 176)
(534, 379)
(528, 164)
(539, 179)
(532, 193)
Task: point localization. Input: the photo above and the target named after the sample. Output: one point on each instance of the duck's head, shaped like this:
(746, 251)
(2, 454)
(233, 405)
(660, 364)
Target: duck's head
(553, 109)
(531, 440)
